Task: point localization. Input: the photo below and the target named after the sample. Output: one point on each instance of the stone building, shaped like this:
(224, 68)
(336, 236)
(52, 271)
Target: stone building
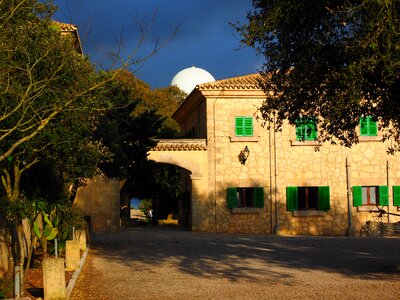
(243, 177)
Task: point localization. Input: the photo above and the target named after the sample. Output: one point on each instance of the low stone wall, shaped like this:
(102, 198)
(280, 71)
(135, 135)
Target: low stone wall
(380, 229)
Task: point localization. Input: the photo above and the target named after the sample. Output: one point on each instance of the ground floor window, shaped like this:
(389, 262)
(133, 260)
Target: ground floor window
(370, 195)
(307, 198)
(240, 197)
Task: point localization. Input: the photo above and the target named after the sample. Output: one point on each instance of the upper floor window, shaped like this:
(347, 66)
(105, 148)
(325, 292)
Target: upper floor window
(306, 129)
(244, 126)
(368, 126)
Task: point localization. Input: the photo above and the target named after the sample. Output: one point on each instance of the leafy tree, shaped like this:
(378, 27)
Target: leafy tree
(46, 105)
(163, 101)
(336, 59)
(49, 96)
(128, 131)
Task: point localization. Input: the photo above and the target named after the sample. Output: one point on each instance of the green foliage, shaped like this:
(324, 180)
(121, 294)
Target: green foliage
(56, 221)
(126, 132)
(19, 208)
(41, 74)
(162, 101)
(337, 59)
(6, 288)
(145, 205)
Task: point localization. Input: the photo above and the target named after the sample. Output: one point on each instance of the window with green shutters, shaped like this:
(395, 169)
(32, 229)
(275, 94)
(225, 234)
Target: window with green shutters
(396, 195)
(244, 126)
(307, 198)
(368, 127)
(240, 197)
(306, 129)
(370, 195)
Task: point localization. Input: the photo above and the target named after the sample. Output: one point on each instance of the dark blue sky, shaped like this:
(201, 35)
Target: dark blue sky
(205, 38)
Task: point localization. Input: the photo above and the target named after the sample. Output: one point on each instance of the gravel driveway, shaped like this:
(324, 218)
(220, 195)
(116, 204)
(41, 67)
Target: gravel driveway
(171, 263)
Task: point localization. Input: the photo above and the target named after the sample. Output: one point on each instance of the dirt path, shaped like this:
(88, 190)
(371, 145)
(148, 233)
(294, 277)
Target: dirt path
(167, 263)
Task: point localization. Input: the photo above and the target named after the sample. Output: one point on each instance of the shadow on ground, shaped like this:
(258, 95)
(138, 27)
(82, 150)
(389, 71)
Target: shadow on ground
(247, 257)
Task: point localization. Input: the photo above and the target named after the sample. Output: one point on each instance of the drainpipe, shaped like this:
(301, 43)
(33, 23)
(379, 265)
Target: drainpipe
(270, 177)
(215, 162)
(276, 185)
(350, 228)
(215, 170)
(387, 183)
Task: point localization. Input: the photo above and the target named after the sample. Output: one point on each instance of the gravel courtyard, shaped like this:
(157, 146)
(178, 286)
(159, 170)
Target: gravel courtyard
(171, 263)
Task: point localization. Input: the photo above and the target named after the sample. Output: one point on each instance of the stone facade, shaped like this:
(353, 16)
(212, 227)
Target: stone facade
(276, 161)
(100, 199)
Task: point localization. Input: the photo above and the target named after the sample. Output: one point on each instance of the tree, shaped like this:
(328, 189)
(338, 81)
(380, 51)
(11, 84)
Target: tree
(128, 131)
(163, 101)
(41, 74)
(48, 103)
(336, 59)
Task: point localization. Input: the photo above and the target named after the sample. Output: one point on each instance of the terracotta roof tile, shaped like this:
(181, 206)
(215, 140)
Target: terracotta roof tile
(180, 145)
(65, 26)
(250, 81)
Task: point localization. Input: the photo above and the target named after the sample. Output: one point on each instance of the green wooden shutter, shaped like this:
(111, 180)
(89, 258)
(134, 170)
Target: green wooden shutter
(306, 129)
(372, 127)
(357, 196)
(239, 129)
(384, 195)
(364, 126)
(258, 197)
(244, 126)
(323, 198)
(368, 127)
(291, 198)
(232, 198)
(300, 129)
(314, 131)
(248, 126)
(396, 195)
(299, 132)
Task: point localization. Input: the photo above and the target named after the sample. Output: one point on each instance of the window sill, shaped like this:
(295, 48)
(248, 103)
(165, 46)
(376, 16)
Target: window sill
(367, 208)
(305, 143)
(244, 138)
(369, 138)
(246, 210)
(309, 213)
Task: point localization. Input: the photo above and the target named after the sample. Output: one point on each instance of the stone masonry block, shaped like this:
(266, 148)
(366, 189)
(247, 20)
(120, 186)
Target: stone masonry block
(72, 255)
(80, 236)
(54, 279)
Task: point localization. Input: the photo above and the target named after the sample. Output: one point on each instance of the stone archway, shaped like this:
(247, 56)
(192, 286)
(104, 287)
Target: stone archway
(192, 156)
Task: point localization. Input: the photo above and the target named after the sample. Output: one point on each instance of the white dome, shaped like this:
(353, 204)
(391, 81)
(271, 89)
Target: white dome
(188, 78)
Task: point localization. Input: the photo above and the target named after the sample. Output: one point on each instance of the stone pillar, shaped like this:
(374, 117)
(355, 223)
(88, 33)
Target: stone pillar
(54, 279)
(80, 236)
(203, 213)
(72, 255)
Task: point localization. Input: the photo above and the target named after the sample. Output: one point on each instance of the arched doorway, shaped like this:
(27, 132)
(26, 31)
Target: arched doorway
(191, 156)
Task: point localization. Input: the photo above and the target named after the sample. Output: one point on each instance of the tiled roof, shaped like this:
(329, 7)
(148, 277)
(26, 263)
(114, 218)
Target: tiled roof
(65, 26)
(240, 82)
(180, 145)
(67, 29)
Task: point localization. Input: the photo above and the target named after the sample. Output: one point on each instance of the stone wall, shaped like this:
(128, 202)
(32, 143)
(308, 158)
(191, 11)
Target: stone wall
(100, 199)
(301, 164)
(276, 161)
(226, 170)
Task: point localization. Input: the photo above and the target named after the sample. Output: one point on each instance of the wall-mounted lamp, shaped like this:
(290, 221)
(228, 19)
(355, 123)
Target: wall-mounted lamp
(244, 154)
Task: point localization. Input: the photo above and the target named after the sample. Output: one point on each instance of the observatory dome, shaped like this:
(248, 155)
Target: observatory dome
(188, 78)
